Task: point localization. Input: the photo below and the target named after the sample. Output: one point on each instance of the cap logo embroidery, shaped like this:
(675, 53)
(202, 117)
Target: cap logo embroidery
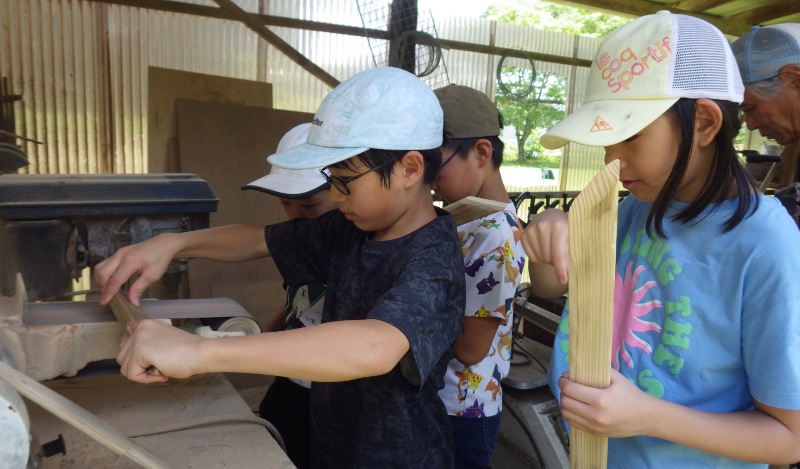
(600, 124)
(618, 74)
(316, 122)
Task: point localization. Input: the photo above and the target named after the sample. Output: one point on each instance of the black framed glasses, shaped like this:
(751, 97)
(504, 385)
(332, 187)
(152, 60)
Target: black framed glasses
(458, 150)
(341, 183)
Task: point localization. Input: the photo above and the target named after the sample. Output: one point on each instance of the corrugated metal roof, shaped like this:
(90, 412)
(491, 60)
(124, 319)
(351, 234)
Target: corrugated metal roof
(81, 67)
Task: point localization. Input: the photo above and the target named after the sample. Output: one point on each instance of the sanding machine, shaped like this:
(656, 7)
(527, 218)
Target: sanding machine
(63, 403)
(52, 227)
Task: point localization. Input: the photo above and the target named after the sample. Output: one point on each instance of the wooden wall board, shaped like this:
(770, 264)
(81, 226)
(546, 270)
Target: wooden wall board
(167, 85)
(227, 145)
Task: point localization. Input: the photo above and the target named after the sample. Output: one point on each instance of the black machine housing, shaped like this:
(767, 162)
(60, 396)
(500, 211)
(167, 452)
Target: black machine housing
(54, 226)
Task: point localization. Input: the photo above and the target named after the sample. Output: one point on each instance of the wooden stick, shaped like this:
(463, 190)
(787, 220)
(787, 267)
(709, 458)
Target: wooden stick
(471, 208)
(127, 312)
(768, 178)
(80, 418)
(592, 261)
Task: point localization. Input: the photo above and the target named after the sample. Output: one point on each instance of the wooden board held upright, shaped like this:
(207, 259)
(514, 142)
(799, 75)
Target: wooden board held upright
(592, 261)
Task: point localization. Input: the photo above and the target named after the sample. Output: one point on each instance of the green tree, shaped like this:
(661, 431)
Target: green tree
(530, 108)
(554, 17)
(533, 102)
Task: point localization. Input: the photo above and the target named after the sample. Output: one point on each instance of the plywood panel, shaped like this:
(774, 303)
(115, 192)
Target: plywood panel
(167, 85)
(227, 145)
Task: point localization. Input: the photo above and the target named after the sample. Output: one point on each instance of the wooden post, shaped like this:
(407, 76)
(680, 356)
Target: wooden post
(592, 261)
(402, 24)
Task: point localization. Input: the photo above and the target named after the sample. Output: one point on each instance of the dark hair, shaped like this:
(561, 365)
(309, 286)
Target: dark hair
(727, 172)
(380, 159)
(463, 147)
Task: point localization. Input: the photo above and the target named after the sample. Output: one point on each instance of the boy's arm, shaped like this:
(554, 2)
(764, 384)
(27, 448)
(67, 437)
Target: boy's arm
(150, 259)
(475, 339)
(766, 435)
(336, 351)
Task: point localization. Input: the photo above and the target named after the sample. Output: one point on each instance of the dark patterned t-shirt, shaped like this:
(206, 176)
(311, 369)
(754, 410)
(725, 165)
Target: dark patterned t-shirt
(416, 284)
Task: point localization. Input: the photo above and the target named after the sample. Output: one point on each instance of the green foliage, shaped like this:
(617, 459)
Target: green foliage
(533, 113)
(531, 110)
(553, 17)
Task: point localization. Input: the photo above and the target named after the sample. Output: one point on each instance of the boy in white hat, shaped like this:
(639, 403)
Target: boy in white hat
(303, 193)
(394, 271)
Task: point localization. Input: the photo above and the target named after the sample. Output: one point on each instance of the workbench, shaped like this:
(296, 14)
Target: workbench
(200, 422)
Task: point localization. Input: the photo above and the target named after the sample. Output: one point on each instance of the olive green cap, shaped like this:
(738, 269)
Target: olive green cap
(468, 113)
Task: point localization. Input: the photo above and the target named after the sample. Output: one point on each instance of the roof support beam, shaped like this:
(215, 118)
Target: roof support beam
(762, 14)
(268, 20)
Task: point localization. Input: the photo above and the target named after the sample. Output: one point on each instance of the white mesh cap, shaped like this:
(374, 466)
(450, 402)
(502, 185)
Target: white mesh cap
(291, 183)
(642, 69)
(763, 52)
(383, 108)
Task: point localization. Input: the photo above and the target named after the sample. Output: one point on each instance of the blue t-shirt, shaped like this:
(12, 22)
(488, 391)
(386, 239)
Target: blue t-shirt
(705, 319)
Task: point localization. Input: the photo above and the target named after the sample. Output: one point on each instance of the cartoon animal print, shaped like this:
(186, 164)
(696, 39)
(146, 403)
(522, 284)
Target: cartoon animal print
(482, 312)
(493, 385)
(504, 345)
(511, 271)
(486, 285)
(467, 380)
(513, 222)
(505, 256)
(489, 223)
(467, 240)
(473, 411)
(505, 310)
(474, 267)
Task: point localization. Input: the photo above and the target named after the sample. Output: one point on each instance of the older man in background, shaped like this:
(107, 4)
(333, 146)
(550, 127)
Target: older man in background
(769, 62)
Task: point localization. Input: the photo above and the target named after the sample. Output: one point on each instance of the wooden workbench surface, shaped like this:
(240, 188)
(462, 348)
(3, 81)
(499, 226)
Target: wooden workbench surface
(144, 411)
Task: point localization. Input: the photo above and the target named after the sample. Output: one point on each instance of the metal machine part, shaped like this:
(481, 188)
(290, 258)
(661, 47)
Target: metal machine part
(532, 433)
(15, 437)
(99, 418)
(46, 340)
(54, 226)
(243, 324)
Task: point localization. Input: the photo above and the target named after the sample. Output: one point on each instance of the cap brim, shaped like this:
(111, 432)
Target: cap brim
(287, 186)
(308, 156)
(604, 123)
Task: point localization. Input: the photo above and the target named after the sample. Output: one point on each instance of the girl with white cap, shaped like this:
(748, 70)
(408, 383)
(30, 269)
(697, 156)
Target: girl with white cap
(706, 337)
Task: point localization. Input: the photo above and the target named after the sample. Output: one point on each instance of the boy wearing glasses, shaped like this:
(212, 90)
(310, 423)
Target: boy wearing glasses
(394, 275)
(493, 262)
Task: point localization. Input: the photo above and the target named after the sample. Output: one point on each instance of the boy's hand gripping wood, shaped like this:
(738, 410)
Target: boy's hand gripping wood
(592, 260)
(127, 312)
